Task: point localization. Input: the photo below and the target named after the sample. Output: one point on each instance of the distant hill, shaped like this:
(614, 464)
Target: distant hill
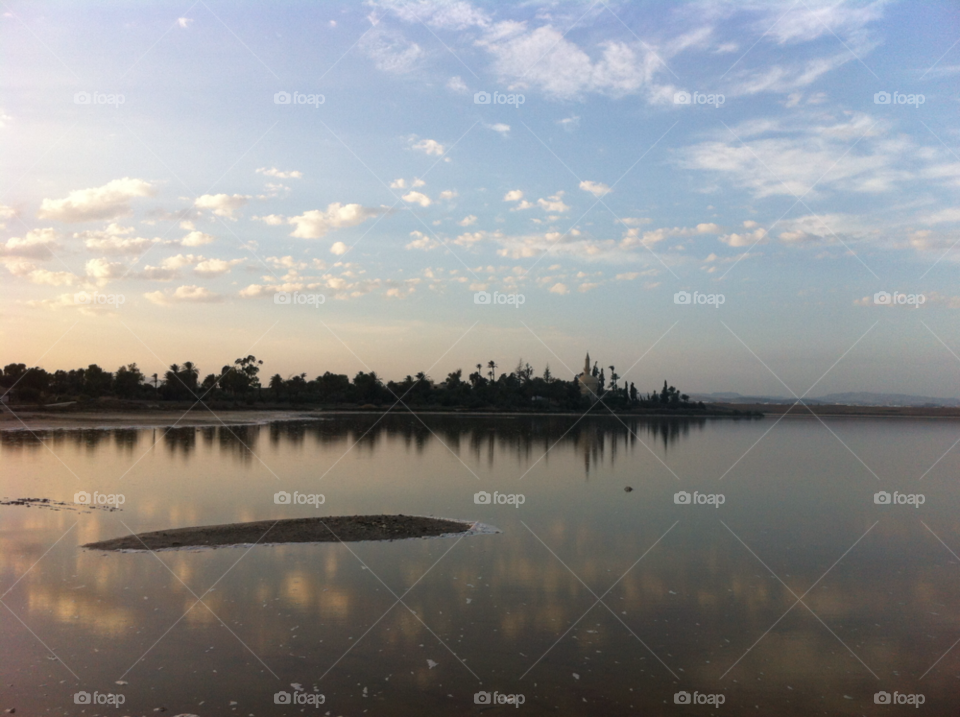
(850, 398)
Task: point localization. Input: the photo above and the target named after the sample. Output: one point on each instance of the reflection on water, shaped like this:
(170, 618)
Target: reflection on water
(693, 590)
(483, 437)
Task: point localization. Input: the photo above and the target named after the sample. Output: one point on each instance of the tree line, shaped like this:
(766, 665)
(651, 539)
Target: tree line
(240, 382)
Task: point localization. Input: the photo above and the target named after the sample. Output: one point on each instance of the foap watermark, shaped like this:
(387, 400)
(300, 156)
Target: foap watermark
(898, 98)
(82, 298)
(498, 498)
(285, 297)
(498, 98)
(698, 98)
(699, 698)
(314, 699)
(82, 497)
(685, 297)
(298, 98)
(284, 498)
(884, 498)
(98, 98)
(486, 298)
(685, 498)
(498, 698)
(898, 698)
(98, 698)
(885, 298)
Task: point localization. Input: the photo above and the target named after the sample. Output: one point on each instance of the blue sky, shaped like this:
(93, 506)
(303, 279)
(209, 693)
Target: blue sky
(185, 189)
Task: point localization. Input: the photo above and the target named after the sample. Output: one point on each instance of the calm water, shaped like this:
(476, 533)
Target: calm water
(692, 598)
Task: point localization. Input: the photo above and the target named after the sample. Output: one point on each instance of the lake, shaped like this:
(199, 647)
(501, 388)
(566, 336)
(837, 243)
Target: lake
(750, 570)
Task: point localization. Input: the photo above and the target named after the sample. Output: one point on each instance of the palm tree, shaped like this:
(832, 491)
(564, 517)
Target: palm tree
(492, 365)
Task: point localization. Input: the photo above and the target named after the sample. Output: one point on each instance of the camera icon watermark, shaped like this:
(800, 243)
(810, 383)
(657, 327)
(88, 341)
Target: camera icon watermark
(98, 698)
(698, 698)
(98, 98)
(898, 698)
(698, 98)
(684, 498)
(282, 497)
(898, 98)
(498, 98)
(82, 298)
(685, 298)
(82, 497)
(290, 299)
(298, 98)
(885, 298)
(498, 698)
(498, 498)
(314, 699)
(485, 298)
(897, 498)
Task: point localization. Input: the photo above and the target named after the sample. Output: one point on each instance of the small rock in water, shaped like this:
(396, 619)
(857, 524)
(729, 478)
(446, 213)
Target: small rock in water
(628, 489)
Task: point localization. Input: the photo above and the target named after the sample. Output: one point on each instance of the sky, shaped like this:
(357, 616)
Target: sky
(424, 186)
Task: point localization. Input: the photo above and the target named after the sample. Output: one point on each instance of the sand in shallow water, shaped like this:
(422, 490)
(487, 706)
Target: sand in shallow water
(292, 530)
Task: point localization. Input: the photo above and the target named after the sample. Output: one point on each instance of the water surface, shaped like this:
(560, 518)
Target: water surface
(695, 598)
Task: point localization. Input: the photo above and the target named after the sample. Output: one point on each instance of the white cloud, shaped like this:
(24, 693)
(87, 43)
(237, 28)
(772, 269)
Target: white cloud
(758, 236)
(514, 195)
(390, 51)
(559, 288)
(417, 198)
(155, 273)
(35, 244)
(114, 240)
(215, 267)
(223, 205)
(274, 172)
(339, 248)
(6, 213)
(470, 238)
(553, 204)
(448, 194)
(950, 214)
(456, 84)
(104, 269)
(196, 238)
(421, 241)
(597, 189)
(569, 123)
(180, 260)
(184, 294)
(398, 184)
(184, 22)
(545, 58)
(468, 220)
(633, 237)
(110, 201)
(499, 127)
(429, 146)
(23, 268)
(315, 223)
(417, 182)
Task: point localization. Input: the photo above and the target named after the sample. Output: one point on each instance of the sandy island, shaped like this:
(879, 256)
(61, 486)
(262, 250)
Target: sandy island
(294, 530)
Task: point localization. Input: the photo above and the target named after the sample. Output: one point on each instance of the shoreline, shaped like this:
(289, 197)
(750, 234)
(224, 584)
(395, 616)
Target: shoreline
(140, 418)
(166, 418)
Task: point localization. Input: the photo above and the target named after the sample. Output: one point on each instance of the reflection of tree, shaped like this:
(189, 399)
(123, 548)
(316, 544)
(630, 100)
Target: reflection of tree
(526, 437)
